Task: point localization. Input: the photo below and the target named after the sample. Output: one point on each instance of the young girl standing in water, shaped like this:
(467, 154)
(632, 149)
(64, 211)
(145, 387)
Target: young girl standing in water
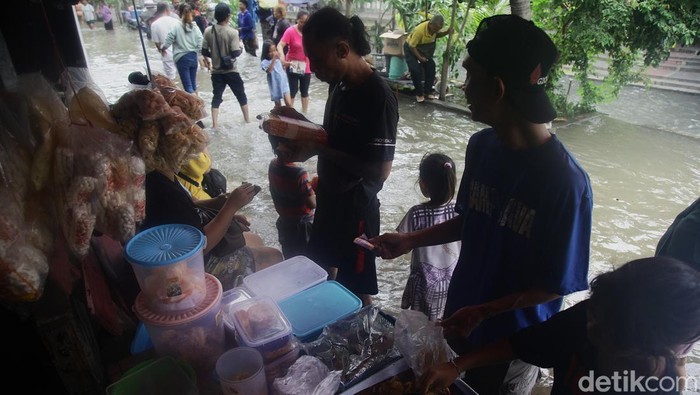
(276, 77)
(432, 266)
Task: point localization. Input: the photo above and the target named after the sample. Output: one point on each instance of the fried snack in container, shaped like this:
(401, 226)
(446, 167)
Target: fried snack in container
(294, 129)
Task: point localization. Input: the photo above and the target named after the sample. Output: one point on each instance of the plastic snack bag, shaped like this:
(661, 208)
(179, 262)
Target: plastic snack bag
(420, 341)
(308, 375)
(99, 186)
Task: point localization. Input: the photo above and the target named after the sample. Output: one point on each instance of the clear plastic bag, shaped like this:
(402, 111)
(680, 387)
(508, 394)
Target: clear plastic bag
(145, 104)
(99, 183)
(88, 108)
(420, 341)
(190, 104)
(30, 120)
(357, 346)
(308, 375)
(76, 78)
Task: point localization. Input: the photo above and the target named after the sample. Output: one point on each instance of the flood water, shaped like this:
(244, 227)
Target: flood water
(642, 153)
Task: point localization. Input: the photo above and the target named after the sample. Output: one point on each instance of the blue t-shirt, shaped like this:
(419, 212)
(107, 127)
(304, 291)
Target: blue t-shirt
(527, 223)
(246, 25)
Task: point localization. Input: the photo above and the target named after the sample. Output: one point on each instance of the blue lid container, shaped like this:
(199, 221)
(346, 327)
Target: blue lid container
(164, 244)
(309, 311)
(169, 266)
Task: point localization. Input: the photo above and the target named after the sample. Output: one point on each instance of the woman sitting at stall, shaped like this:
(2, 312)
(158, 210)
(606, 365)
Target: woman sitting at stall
(232, 251)
(632, 335)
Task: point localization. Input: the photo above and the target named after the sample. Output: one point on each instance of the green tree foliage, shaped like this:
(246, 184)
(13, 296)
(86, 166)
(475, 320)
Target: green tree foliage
(631, 33)
(628, 34)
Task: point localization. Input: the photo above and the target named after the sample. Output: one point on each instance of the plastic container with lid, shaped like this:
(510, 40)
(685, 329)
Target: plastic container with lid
(311, 310)
(286, 278)
(165, 375)
(195, 336)
(169, 266)
(278, 367)
(260, 324)
(230, 298)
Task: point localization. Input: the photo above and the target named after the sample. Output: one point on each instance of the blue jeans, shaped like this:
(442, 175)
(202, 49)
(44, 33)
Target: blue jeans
(187, 68)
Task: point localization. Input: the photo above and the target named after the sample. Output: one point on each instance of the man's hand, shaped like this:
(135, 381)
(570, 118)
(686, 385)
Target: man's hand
(437, 377)
(391, 245)
(463, 321)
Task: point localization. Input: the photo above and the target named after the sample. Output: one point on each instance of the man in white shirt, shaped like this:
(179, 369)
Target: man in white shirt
(160, 28)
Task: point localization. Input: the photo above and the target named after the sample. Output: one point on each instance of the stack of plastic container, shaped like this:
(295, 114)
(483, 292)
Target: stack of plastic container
(297, 301)
(179, 304)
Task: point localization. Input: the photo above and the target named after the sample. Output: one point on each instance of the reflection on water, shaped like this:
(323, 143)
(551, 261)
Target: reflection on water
(642, 175)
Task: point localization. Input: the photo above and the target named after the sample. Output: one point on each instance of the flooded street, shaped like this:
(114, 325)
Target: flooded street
(642, 153)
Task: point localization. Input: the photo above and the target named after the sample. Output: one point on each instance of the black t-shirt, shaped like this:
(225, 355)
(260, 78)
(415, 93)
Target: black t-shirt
(167, 202)
(361, 122)
(278, 29)
(562, 343)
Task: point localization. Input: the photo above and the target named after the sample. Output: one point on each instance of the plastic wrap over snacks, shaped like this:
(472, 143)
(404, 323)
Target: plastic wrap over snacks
(420, 341)
(308, 375)
(75, 79)
(358, 345)
(162, 127)
(99, 181)
(29, 120)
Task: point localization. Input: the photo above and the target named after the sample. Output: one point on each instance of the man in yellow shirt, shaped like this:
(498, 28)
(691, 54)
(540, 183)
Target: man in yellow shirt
(418, 51)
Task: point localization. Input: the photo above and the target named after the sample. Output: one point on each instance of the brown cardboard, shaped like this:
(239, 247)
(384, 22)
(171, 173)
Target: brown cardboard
(393, 42)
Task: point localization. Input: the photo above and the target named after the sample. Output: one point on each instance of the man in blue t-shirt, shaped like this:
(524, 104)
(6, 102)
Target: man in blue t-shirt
(524, 202)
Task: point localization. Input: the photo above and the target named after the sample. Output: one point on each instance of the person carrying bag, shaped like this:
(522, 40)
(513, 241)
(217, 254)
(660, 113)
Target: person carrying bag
(222, 35)
(225, 62)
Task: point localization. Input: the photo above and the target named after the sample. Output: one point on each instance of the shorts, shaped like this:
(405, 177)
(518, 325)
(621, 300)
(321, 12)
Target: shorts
(232, 268)
(298, 83)
(337, 222)
(219, 81)
(293, 235)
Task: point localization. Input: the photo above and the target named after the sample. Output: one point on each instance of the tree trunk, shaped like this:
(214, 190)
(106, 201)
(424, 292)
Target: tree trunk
(521, 8)
(446, 54)
(348, 8)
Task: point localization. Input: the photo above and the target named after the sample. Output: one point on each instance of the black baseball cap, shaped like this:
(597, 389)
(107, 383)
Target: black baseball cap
(522, 54)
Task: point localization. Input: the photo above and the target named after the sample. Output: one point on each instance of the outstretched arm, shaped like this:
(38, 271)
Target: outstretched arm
(392, 245)
(464, 320)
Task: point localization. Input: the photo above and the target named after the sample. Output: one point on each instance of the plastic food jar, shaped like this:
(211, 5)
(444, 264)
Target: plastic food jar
(169, 266)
